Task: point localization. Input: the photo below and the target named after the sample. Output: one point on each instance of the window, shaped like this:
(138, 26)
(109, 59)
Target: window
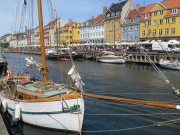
(154, 32)
(143, 33)
(160, 21)
(172, 30)
(155, 22)
(122, 29)
(167, 21)
(115, 36)
(118, 26)
(106, 28)
(126, 37)
(174, 11)
(102, 33)
(149, 23)
(111, 36)
(109, 27)
(136, 27)
(143, 24)
(167, 31)
(136, 36)
(146, 15)
(160, 31)
(127, 28)
(93, 33)
(118, 36)
(130, 28)
(96, 34)
(106, 36)
(148, 32)
(123, 37)
(155, 13)
(173, 20)
(99, 33)
(115, 27)
(130, 37)
(161, 12)
(135, 19)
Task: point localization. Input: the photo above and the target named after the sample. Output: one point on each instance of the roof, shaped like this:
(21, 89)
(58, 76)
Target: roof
(37, 27)
(52, 22)
(133, 13)
(171, 3)
(169, 12)
(116, 7)
(148, 8)
(99, 18)
(69, 24)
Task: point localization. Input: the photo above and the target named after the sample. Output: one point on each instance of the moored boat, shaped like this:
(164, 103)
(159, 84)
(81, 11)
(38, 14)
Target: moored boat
(170, 64)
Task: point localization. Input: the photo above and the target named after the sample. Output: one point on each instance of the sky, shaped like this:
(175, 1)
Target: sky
(78, 10)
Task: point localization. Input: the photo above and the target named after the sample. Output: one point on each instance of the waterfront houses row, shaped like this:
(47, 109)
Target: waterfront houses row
(122, 22)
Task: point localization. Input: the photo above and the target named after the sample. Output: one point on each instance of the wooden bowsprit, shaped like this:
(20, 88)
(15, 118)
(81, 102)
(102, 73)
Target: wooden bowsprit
(149, 103)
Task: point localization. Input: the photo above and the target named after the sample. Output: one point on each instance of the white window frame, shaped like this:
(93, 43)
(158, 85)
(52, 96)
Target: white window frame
(143, 24)
(154, 32)
(160, 31)
(127, 37)
(118, 36)
(106, 36)
(123, 37)
(173, 30)
(147, 15)
(136, 27)
(173, 20)
(143, 33)
(118, 26)
(167, 20)
(111, 36)
(148, 32)
(130, 28)
(155, 13)
(154, 22)
(160, 21)
(136, 36)
(161, 12)
(174, 10)
(166, 31)
(149, 23)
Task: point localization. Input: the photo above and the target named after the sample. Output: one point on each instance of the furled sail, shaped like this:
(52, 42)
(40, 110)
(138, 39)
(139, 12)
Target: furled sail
(76, 78)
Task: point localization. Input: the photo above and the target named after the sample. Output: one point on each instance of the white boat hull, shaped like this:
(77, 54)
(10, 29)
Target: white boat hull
(49, 114)
(170, 66)
(118, 61)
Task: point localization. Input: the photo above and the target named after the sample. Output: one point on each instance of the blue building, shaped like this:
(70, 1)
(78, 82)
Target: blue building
(32, 38)
(132, 25)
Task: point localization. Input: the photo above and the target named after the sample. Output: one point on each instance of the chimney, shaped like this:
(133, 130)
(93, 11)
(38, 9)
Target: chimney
(119, 1)
(104, 9)
(137, 7)
(70, 20)
(92, 17)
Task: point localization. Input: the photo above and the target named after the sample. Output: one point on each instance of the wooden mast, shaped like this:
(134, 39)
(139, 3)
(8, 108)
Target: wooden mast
(72, 38)
(42, 40)
(114, 35)
(57, 33)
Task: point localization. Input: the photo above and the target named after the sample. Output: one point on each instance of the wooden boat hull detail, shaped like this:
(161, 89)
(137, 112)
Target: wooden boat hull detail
(50, 114)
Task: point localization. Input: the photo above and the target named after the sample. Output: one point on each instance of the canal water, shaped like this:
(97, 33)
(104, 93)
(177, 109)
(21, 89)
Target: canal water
(103, 117)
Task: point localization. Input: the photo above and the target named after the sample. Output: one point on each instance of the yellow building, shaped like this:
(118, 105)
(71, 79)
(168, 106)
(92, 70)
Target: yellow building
(115, 14)
(69, 33)
(37, 36)
(160, 21)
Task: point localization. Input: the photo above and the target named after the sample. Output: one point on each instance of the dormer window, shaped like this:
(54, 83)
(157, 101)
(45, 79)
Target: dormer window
(108, 15)
(113, 13)
(127, 20)
(117, 12)
(146, 15)
(174, 11)
(135, 19)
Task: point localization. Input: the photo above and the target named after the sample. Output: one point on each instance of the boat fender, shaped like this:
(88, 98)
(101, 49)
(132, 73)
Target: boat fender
(17, 111)
(4, 106)
(13, 116)
(176, 92)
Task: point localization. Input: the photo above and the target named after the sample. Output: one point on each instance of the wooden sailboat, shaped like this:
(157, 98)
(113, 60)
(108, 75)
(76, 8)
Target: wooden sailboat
(111, 57)
(41, 102)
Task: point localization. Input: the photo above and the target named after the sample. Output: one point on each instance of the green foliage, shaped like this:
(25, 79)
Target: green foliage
(5, 44)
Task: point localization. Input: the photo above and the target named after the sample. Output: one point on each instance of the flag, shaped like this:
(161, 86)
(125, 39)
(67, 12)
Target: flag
(54, 9)
(8, 72)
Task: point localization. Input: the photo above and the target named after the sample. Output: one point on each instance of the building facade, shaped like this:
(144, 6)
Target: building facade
(161, 21)
(130, 28)
(113, 17)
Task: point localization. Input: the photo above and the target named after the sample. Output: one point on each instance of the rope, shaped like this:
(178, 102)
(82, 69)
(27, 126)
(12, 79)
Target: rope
(167, 122)
(150, 114)
(120, 129)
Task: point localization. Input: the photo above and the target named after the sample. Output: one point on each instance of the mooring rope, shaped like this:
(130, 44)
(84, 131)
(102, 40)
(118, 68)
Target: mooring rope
(120, 129)
(145, 114)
